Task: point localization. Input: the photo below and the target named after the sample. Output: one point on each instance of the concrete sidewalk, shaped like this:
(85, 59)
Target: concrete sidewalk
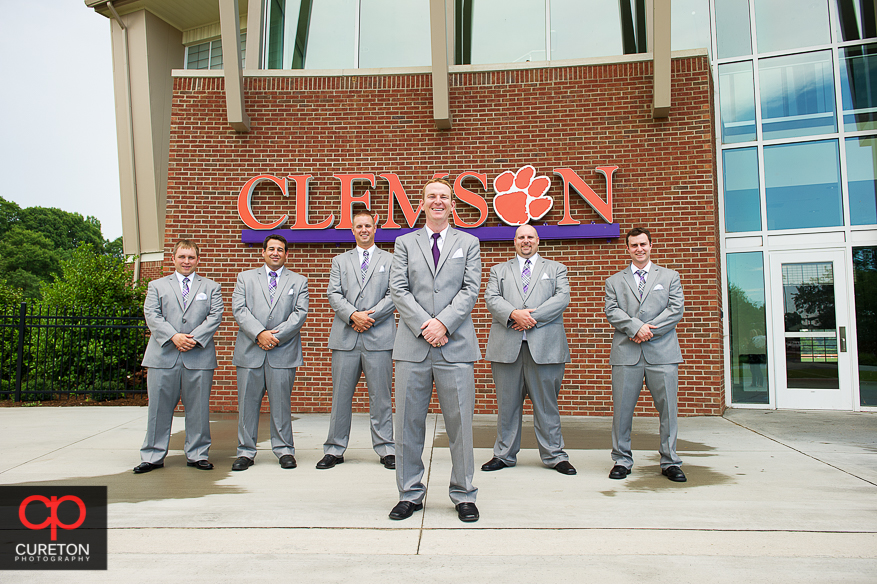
(772, 496)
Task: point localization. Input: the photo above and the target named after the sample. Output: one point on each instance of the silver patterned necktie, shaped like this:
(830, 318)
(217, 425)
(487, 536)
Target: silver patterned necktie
(364, 267)
(272, 286)
(525, 275)
(641, 274)
(185, 290)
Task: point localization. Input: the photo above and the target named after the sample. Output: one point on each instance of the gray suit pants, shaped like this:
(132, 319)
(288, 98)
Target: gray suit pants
(455, 387)
(165, 388)
(627, 382)
(252, 385)
(515, 381)
(347, 366)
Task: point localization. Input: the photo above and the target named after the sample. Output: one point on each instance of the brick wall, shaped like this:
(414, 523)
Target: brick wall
(578, 117)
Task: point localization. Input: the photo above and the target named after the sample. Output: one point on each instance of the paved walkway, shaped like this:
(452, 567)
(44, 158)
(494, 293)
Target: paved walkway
(771, 497)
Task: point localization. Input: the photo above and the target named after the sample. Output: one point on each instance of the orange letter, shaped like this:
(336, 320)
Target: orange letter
(470, 198)
(347, 198)
(245, 199)
(398, 193)
(571, 179)
(301, 204)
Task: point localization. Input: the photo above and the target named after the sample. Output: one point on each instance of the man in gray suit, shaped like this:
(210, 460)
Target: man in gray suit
(644, 302)
(527, 350)
(270, 304)
(362, 342)
(434, 283)
(182, 311)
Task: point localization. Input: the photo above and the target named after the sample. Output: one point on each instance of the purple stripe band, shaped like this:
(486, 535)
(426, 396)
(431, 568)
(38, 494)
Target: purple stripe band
(500, 233)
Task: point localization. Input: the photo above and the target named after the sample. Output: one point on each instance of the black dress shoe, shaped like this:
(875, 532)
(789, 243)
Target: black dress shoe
(405, 509)
(467, 512)
(201, 464)
(327, 461)
(564, 467)
(619, 472)
(242, 463)
(146, 467)
(288, 461)
(493, 464)
(389, 461)
(674, 473)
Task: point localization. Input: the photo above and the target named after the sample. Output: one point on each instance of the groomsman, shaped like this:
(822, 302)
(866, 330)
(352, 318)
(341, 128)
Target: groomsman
(362, 342)
(270, 304)
(182, 311)
(528, 350)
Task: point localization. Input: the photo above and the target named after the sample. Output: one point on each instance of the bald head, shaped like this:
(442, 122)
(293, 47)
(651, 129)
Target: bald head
(526, 241)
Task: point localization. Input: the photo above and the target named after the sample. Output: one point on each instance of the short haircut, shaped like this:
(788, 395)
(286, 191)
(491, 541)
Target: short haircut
(440, 181)
(187, 244)
(638, 231)
(364, 212)
(279, 238)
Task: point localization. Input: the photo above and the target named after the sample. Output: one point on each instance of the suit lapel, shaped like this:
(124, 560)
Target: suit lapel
(447, 248)
(282, 283)
(627, 276)
(193, 291)
(353, 260)
(174, 283)
(372, 262)
(262, 278)
(514, 275)
(426, 247)
(651, 276)
(535, 274)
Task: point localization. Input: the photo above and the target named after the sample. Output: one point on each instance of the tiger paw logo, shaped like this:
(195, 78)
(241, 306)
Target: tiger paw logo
(520, 196)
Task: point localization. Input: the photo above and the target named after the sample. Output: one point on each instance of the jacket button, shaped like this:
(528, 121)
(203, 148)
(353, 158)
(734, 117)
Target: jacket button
(184, 320)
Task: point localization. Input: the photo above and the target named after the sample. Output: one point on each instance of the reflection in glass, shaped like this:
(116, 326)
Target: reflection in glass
(790, 24)
(737, 102)
(810, 326)
(797, 95)
(585, 29)
(732, 28)
(802, 185)
(856, 20)
(862, 180)
(865, 286)
(330, 36)
(689, 25)
(508, 31)
(746, 316)
(858, 86)
(742, 203)
(394, 33)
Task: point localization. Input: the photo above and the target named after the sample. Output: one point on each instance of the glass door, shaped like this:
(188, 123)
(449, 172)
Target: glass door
(810, 330)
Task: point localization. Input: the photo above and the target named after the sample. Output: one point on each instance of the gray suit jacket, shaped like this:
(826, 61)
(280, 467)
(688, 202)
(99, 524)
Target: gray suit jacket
(254, 314)
(548, 293)
(448, 292)
(348, 294)
(166, 317)
(662, 306)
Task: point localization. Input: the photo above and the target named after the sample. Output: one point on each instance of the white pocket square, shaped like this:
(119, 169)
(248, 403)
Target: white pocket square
(201, 296)
(457, 254)
(658, 287)
(382, 269)
(291, 290)
(545, 277)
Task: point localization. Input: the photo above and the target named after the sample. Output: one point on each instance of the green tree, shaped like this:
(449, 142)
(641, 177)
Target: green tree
(89, 278)
(27, 260)
(67, 231)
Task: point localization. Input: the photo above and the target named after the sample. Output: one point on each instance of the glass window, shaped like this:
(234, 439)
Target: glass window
(198, 56)
(585, 29)
(865, 287)
(394, 33)
(797, 95)
(737, 102)
(689, 25)
(742, 202)
(216, 54)
(856, 20)
(732, 28)
(862, 180)
(858, 83)
(790, 24)
(330, 36)
(508, 31)
(802, 185)
(746, 317)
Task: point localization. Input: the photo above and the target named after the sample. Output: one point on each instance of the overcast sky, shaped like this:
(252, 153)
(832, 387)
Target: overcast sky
(58, 146)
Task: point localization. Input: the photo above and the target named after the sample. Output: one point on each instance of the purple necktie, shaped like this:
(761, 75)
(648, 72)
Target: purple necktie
(364, 267)
(525, 275)
(185, 290)
(272, 286)
(641, 274)
(436, 252)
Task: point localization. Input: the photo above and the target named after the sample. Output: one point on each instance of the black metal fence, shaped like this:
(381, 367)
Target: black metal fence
(46, 351)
